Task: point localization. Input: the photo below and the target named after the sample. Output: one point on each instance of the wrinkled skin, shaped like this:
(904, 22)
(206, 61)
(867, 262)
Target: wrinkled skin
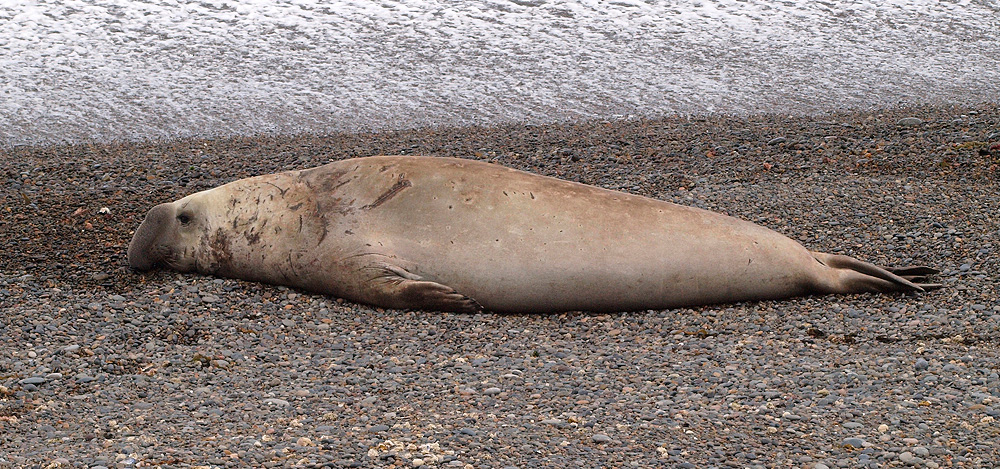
(460, 235)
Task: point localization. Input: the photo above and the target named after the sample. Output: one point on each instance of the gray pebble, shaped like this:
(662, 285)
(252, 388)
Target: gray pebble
(277, 402)
(909, 122)
(491, 391)
(33, 380)
(601, 438)
(853, 443)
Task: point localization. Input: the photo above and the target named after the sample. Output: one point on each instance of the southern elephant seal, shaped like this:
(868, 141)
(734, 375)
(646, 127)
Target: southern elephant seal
(462, 235)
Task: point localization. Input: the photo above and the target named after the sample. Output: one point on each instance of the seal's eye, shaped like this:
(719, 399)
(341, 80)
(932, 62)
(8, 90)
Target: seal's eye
(184, 218)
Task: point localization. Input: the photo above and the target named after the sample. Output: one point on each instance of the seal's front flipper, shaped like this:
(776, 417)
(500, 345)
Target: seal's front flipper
(397, 288)
(434, 296)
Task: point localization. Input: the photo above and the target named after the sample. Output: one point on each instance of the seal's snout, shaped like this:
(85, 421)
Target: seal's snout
(141, 251)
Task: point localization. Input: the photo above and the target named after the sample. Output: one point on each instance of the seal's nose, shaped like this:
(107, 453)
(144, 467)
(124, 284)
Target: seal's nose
(141, 253)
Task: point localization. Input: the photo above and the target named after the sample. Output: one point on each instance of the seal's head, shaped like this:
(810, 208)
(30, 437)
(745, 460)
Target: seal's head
(169, 236)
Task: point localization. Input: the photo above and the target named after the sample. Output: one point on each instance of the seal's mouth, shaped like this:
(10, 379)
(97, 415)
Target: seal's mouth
(161, 257)
(143, 262)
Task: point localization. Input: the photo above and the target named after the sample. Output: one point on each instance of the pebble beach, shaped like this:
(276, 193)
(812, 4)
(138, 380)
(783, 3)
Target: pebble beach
(101, 367)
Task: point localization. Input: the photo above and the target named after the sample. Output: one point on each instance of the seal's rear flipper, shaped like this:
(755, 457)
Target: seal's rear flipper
(913, 270)
(857, 276)
(917, 274)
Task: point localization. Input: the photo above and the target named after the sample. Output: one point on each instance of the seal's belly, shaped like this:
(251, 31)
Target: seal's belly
(574, 247)
(661, 274)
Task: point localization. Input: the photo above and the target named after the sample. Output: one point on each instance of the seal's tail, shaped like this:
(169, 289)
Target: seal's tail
(854, 276)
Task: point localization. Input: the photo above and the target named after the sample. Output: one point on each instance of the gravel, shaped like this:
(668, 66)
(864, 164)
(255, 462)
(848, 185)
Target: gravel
(102, 367)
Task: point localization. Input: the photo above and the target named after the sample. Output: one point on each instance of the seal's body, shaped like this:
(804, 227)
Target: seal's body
(460, 235)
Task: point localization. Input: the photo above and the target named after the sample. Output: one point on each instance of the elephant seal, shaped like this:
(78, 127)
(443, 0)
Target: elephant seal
(462, 235)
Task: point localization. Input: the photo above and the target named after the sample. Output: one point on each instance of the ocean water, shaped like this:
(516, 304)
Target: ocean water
(73, 70)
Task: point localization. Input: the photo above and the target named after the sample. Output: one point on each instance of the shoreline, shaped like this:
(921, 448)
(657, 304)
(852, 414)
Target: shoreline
(847, 114)
(177, 370)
